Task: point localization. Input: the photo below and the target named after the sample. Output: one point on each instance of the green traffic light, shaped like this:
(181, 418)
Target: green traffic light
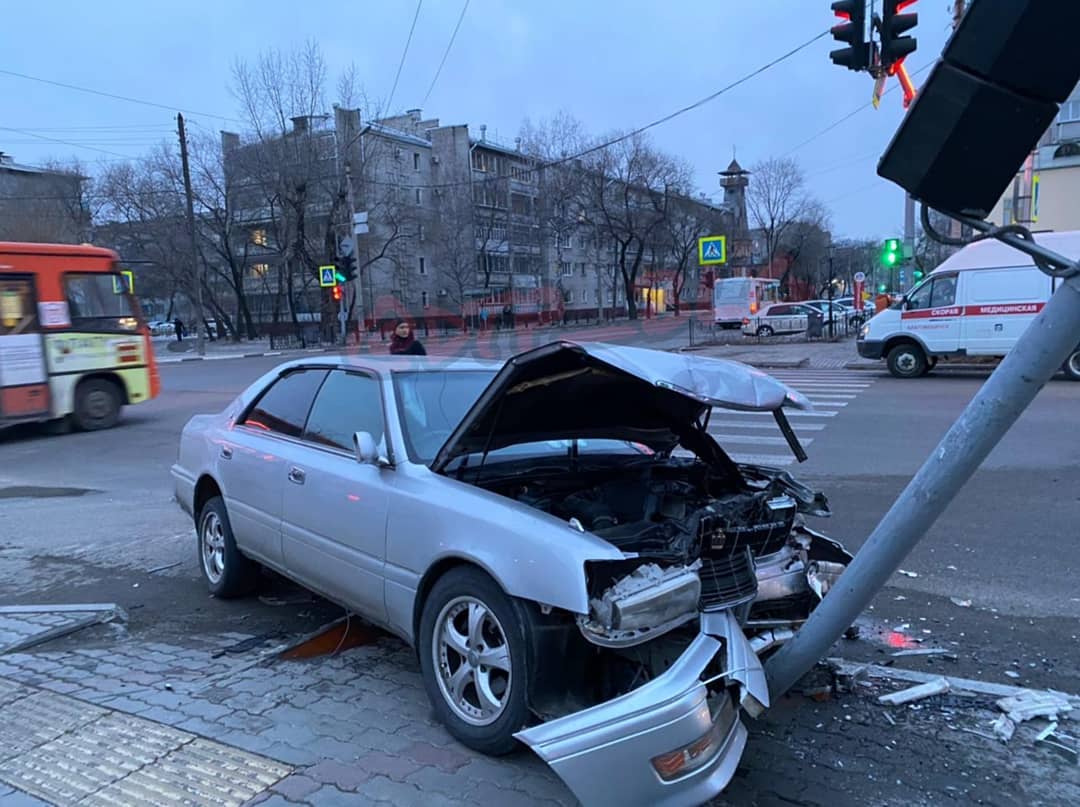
(340, 277)
(890, 258)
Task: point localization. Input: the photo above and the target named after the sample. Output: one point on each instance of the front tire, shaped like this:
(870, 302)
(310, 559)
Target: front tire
(473, 660)
(1072, 365)
(97, 404)
(227, 572)
(907, 361)
(764, 330)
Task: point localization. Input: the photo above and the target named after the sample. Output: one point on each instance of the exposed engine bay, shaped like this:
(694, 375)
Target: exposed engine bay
(695, 539)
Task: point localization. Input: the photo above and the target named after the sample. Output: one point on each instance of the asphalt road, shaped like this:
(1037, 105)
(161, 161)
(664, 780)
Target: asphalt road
(98, 518)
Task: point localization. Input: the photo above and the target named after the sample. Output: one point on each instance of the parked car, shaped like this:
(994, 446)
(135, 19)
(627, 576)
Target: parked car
(868, 307)
(579, 565)
(778, 318)
(162, 328)
(976, 303)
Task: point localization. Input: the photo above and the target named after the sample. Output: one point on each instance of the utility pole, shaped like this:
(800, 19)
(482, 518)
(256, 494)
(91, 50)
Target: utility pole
(956, 229)
(200, 339)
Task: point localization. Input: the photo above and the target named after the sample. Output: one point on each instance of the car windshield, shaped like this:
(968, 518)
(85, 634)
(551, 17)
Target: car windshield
(432, 403)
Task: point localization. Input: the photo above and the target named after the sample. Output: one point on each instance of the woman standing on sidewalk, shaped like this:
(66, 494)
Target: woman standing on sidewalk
(403, 341)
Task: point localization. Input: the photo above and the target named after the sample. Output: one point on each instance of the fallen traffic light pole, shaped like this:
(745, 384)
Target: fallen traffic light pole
(1037, 356)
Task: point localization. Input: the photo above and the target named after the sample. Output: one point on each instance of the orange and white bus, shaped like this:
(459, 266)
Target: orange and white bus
(73, 343)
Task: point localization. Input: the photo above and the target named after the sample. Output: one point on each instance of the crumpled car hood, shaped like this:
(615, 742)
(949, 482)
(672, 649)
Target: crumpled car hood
(568, 390)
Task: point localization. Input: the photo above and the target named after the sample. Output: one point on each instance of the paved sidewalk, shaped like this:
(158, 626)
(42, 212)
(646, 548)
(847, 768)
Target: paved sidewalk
(109, 719)
(790, 354)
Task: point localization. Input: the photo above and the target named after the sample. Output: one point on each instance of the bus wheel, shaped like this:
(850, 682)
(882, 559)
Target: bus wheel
(97, 404)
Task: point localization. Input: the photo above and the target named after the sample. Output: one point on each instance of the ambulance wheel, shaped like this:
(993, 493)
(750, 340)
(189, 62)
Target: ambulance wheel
(1072, 366)
(907, 361)
(97, 404)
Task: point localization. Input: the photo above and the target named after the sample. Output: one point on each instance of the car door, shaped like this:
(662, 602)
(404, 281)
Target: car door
(800, 318)
(335, 508)
(251, 461)
(931, 314)
(999, 304)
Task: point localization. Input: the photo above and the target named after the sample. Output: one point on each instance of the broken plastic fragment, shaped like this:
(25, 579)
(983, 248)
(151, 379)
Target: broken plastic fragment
(906, 573)
(960, 602)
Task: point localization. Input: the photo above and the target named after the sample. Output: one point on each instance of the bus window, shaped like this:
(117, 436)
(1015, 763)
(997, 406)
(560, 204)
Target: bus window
(98, 302)
(733, 289)
(770, 293)
(17, 315)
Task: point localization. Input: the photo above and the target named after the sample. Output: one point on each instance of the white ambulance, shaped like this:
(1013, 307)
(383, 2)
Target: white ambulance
(976, 303)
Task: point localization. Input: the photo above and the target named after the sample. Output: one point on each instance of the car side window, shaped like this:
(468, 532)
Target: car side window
(944, 293)
(284, 407)
(920, 298)
(779, 311)
(346, 404)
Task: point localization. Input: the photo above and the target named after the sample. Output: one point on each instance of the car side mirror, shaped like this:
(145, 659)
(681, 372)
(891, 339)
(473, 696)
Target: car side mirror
(367, 452)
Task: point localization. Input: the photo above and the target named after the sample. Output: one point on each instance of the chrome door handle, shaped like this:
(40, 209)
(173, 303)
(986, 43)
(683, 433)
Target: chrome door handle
(297, 476)
(226, 453)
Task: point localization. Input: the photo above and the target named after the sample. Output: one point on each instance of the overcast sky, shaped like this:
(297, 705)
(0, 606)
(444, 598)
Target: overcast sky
(611, 64)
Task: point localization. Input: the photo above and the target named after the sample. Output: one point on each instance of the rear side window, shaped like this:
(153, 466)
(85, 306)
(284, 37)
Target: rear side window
(347, 403)
(779, 311)
(284, 407)
(1007, 286)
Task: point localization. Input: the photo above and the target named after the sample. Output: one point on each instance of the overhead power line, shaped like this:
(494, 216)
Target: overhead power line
(446, 53)
(404, 53)
(63, 142)
(114, 96)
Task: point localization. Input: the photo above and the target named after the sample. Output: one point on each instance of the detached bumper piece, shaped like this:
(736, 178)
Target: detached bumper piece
(675, 740)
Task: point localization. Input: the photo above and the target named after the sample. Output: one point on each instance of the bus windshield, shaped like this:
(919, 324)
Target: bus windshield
(100, 302)
(733, 289)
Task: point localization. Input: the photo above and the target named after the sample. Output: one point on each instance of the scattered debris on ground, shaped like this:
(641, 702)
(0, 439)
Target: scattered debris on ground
(915, 693)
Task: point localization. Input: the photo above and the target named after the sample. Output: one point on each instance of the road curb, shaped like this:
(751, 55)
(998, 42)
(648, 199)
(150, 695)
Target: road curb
(265, 354)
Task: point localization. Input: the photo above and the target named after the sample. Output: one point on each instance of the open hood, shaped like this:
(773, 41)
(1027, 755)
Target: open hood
(568, 390)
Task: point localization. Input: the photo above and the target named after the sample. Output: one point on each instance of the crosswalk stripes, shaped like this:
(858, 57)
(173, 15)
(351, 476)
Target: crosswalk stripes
(754, 438)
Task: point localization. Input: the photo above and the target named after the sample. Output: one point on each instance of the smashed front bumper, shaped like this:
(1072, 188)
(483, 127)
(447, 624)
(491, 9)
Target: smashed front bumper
(693, 706)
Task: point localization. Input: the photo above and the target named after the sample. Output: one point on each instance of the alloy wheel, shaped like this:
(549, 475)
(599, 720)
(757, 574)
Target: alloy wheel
(212, 539)
(470, 649)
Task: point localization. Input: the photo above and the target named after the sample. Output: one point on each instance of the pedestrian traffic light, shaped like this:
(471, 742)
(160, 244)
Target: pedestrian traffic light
(852, 31)
(894, 47)
(891, 252)
(336, 294)
(917, 274)
(346, 268)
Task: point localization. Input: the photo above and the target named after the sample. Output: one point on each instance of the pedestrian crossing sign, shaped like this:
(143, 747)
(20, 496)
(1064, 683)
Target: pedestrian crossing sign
(712, 249)
(327, 276)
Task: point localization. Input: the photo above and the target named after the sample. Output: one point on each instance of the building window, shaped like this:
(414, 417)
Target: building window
(569, 295)
(567, 269)
(1070, 111)
(420, 231)
(581, 242)
(258, 238)
(259, 270)
(423, 265)
(424, 299)
(416, 161)
(419, 196)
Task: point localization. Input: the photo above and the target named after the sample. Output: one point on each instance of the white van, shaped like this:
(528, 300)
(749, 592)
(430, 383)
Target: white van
(977, 303)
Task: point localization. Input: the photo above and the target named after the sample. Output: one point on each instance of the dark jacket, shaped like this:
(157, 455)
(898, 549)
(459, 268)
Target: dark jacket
(406, 347)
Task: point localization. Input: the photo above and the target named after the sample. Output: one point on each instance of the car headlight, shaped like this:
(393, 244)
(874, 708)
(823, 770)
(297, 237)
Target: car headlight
(864, 331)
(648, 597)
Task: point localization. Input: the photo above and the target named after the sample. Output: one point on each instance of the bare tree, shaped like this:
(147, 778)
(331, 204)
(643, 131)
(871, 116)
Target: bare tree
(630, 186)
(777, 198)
(687, 221)
(455, 250)
(805, 245)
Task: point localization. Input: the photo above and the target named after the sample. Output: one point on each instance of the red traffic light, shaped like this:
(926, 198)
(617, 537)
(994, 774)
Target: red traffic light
(336, 293)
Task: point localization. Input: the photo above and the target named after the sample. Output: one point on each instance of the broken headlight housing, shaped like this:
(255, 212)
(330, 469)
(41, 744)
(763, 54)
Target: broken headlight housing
(644, 603)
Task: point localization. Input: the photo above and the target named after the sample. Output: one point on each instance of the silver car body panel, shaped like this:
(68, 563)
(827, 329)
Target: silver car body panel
(625, 733)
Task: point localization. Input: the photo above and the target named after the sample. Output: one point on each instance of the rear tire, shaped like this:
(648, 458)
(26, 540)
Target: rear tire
(227, 572)
(907, 361)
(1072, 365)
(97, 404)
(764, 330)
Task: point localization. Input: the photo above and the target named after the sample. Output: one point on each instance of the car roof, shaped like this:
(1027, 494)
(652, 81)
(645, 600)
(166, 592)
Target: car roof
(386, 364)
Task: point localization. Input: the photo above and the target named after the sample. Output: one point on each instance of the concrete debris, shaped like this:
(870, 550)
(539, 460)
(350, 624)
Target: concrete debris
(1058, 742)
(1029, 704)
(959, 602)
(925, 651)
(935, 687)
(1012, 673)
(907, 573)
(1004, 728)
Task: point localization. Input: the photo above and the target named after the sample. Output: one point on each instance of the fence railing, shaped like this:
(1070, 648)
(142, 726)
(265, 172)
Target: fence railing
(706, 332)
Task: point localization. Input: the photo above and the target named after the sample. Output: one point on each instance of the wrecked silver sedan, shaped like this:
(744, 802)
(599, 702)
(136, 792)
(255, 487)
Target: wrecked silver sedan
(579, 565)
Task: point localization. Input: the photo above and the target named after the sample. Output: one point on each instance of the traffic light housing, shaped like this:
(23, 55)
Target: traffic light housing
(894, 23)
(892, 253)
(347, 269)
(852, 32)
